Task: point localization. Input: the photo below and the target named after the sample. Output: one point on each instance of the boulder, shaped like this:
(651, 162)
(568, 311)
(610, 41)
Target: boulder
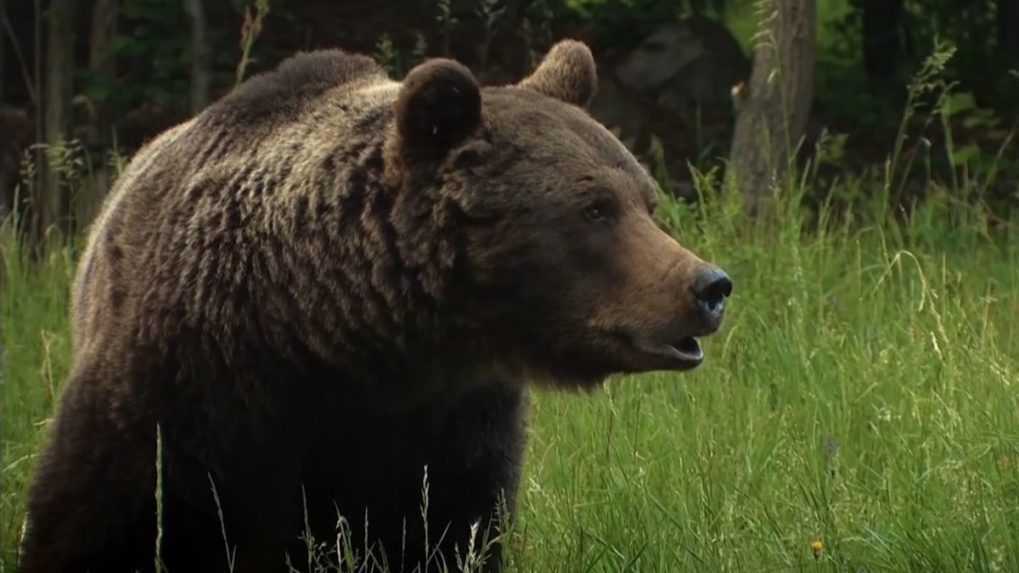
(675, 86)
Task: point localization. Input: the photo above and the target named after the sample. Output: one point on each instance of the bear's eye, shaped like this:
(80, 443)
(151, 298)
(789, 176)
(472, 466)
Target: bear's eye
(598, 212)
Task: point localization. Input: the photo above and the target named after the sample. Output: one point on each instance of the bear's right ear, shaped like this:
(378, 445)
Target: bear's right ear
(567, 73)
(439, 105)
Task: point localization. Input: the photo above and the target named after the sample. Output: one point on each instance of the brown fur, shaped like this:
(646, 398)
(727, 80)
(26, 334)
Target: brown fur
(330, 280)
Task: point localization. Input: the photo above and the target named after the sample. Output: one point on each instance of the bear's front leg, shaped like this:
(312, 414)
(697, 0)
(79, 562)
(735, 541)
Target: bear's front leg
(369, 467)
(474, 472)
(91, 505)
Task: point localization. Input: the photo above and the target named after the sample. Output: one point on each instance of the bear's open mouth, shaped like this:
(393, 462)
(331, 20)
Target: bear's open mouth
(683, 354)
(689, 349)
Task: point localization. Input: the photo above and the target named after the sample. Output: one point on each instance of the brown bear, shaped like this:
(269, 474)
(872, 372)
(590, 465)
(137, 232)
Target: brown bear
(328, 284)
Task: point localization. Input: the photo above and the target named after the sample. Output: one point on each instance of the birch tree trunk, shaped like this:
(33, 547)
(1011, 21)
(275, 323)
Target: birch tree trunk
(772, 112)
(199, 55)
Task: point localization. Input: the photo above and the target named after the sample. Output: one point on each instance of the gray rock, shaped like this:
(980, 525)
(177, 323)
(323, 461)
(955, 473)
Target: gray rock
(674, 86)
(691, 61)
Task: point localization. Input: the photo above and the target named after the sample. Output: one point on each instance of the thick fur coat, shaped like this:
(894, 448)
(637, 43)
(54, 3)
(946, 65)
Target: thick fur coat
(329, 283)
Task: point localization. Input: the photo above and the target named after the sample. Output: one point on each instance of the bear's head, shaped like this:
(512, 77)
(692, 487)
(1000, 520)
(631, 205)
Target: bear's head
(560, 262)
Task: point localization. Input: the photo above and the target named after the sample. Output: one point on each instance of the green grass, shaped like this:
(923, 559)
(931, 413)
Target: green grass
(34, 360)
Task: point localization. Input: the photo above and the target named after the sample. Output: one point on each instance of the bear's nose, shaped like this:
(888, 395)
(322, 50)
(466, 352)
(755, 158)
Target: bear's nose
(711, 287)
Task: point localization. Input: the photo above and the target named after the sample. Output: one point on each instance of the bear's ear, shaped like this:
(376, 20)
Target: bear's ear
(439, 105)
(567, 73)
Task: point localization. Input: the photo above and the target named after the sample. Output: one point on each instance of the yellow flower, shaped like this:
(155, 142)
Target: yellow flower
(817, 546)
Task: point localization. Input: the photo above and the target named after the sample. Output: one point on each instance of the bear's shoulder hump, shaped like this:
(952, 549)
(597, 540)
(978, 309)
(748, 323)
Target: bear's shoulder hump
(297, 79)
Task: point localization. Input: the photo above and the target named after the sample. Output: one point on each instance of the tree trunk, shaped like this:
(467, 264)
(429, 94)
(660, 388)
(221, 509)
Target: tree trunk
(199, 55)
(101, 60)
(3, 46)
(1008, 31)
(16, 128)
(772, 112)
(59, 69)
(5, 177)
(102, 63)
(882, 37)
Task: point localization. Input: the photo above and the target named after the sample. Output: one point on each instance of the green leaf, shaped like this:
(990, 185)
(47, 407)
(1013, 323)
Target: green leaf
(981, 118)
(959, 102)
(965, 154)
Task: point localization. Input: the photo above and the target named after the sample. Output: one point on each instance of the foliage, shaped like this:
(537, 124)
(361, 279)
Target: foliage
(154, 57)
(624, 22)
(165, 71)
(947, 124)
(971, 25)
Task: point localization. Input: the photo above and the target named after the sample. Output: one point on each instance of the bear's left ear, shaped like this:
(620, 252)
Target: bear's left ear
(438, 106)
(567, 73)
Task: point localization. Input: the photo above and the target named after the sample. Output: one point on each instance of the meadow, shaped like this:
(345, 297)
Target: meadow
(855, 413)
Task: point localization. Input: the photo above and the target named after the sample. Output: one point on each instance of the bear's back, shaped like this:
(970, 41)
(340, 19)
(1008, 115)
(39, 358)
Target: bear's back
(297, 81)
(261, 135)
